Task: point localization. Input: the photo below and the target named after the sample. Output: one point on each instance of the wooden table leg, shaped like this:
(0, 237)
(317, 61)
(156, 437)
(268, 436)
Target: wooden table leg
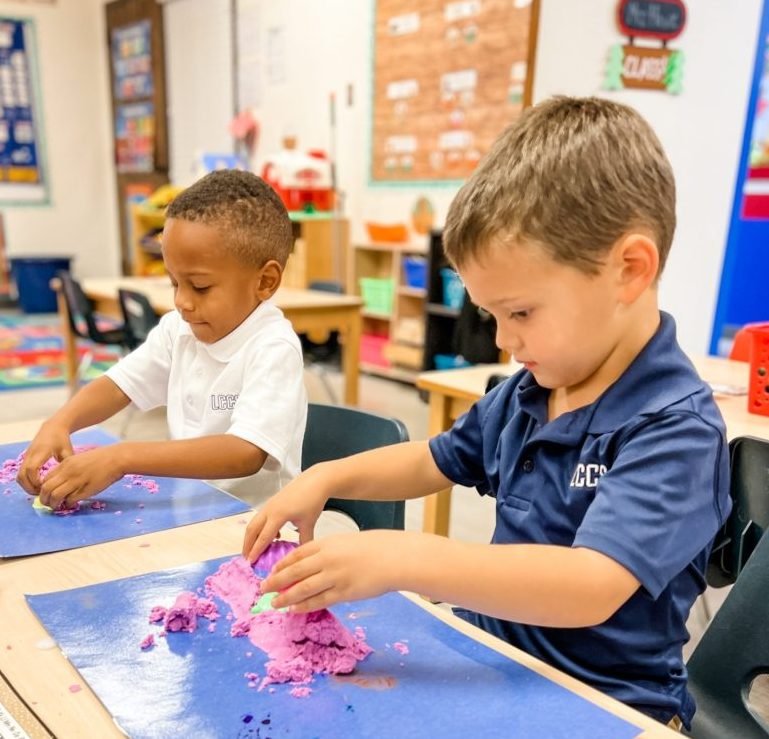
(70, 343)
(438, 506)
(351, 356)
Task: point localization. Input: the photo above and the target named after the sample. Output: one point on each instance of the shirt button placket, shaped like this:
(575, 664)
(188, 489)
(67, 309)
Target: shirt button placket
(528, 465)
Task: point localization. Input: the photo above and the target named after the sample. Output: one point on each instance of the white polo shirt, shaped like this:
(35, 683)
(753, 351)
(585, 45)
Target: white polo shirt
(249, 384)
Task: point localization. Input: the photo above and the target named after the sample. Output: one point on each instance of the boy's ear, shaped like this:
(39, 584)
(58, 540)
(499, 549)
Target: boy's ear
(638, 262)
(270, 276)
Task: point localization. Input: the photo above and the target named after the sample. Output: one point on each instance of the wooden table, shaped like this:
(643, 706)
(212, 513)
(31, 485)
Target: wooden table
(308, 310)
(452, 392)
(40, 677)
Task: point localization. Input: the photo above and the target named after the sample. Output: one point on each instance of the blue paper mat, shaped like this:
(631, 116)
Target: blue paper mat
(193, 685)
(177, 502)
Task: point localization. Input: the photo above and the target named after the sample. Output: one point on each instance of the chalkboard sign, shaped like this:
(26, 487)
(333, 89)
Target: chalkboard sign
(659, 19)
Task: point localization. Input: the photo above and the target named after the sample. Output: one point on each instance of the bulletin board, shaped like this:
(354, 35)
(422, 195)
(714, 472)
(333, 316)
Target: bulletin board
(448, 78)
(22, 173)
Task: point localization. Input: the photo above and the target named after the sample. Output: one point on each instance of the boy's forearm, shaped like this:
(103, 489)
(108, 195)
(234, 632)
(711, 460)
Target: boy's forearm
(220, 456)
(94, 403)
(525, 583)
(397, 472)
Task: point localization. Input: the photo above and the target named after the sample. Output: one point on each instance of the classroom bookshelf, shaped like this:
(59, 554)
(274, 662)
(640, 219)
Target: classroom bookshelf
(391, 279)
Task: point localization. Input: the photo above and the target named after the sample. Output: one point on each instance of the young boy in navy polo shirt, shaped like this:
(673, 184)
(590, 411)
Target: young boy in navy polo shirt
(226, 363)
(606, 454)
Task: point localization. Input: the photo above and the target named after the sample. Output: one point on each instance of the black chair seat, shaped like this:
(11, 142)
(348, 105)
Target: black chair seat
(334, 432)
(734, 649)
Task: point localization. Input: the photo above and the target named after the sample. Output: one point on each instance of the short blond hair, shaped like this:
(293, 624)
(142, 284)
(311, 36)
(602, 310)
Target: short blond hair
(571, 175)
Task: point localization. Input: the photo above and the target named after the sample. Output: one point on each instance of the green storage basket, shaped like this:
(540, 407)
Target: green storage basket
(377, 293)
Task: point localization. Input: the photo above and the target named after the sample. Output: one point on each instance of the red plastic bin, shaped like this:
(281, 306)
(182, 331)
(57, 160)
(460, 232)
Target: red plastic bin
(372, 350)
(758, 387)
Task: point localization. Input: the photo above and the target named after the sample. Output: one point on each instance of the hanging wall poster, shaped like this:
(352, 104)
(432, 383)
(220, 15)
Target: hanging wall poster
(22, 172)
(132, 61)
(135, 137)
(448, 78)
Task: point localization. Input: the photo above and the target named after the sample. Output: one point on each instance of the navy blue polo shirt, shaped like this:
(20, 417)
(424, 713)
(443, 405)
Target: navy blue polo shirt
(640, 475)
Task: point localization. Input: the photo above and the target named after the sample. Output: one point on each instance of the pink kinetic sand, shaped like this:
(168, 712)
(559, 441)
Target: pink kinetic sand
(299, 645)
(157, 614)
(182, 615)
(10, 470)
(148, 642)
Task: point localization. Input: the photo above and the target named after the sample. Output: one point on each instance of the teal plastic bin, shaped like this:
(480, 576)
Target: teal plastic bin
(32, 276)
(453, 289)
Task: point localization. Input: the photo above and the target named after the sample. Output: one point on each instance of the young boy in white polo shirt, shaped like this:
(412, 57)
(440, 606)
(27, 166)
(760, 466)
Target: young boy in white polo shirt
(226, 362)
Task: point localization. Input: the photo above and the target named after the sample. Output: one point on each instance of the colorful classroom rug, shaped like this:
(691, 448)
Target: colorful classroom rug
(32, 353)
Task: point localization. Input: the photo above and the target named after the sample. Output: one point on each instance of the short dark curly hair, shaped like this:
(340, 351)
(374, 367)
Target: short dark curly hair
(246, 209)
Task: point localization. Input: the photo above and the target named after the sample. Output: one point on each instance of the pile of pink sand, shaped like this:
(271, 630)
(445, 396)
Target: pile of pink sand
(299, 645)
(9, 471)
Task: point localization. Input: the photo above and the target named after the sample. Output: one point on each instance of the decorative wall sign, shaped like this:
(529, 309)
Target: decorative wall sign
(647, 67)
(21, 153)
(448, 78)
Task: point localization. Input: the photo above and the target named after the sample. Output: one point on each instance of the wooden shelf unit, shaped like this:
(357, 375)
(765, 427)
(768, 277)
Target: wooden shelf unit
(440, 319)
(145, 221)
(396, 338)
(319, 253)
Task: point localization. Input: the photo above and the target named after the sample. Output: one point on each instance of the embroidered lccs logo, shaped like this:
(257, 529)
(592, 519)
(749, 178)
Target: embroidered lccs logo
(225, 402)
(586, 475)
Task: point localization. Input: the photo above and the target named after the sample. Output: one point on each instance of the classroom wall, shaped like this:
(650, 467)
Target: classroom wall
(328, 46)
(81, 218)
(701, 129)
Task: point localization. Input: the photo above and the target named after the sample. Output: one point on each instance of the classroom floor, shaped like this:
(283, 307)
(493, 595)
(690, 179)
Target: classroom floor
(472, 516)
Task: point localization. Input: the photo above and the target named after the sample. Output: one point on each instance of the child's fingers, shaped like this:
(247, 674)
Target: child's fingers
(292, 569)
(259, 533)
(306, 594)
(306, 532)
(29, 480)
(55, 497)
(64, 452)
(28, 476)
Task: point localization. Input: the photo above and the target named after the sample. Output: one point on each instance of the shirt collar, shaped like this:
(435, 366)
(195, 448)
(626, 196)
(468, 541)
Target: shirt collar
(224, 349)
(660, 365)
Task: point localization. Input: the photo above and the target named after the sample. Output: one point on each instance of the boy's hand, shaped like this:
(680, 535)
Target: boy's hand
(80, 476)
(337, 568)
(300, 502)
(50, 441)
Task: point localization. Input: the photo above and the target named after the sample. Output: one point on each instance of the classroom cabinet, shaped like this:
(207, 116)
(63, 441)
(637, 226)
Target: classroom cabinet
(448, 344)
